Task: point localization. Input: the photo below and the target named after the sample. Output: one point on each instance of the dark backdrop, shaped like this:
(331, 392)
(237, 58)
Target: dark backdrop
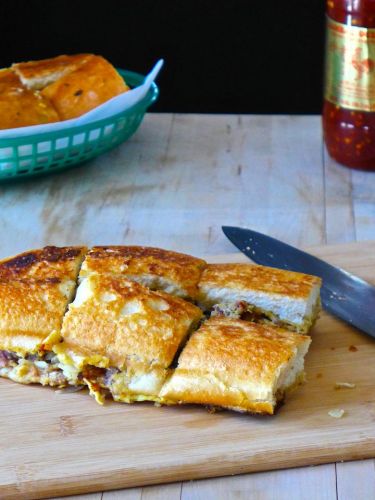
(247, 56)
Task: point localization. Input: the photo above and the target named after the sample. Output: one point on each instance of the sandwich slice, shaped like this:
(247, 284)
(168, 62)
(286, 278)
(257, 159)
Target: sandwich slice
(262, 294)
(121, 338)
(235, 364)
(174, 273)
(35, 290)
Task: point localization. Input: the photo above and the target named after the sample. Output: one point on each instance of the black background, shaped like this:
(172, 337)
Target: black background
(220, 56)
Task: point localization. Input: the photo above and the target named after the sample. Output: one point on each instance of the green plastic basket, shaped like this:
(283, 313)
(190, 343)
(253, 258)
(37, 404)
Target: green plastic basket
(48, 152)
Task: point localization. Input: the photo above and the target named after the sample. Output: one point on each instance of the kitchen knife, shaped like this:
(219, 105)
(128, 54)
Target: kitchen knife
(343, 294)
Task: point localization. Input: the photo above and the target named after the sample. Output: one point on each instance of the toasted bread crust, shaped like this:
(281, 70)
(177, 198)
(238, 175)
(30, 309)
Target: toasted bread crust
(35, 289)
(44, 263)
(230, 363)
(30, 311)
(120, 322)
(37, 74)
(258, 278)
(182, 272)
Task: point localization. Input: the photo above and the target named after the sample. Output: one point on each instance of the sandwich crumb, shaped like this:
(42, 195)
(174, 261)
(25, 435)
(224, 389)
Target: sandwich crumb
(336, 413)
(319, 375)
(211, 409)
(70, 389)
(353, 348)
(340, 385)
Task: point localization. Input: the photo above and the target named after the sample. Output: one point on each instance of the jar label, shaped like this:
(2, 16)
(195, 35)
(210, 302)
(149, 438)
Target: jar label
(350, 66)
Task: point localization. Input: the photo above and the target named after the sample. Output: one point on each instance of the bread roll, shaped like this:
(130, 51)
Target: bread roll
(19, 106)
(36, 75)
(92, 83)
(56, 89)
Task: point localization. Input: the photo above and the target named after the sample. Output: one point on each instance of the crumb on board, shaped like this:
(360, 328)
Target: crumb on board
(319, 375)
(347, 385)
(353, 348)
(69, 389)
(336, 413)
(333, 348)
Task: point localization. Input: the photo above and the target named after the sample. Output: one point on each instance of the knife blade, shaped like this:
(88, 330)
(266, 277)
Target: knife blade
(343, 294)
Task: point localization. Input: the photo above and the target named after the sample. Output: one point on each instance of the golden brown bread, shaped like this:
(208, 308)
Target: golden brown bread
(238, 365)
(287, 298)
(91, 84)
(44, 263)
(119, 324)
(30, 311)
(36, 75)
(259, 278)
(115, 318)
(20, 107)
(172, 272)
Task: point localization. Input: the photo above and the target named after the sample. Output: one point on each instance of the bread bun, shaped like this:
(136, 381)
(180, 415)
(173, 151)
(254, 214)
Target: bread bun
(92, 83)
(19, 106)
(36, 75)
(56, 89)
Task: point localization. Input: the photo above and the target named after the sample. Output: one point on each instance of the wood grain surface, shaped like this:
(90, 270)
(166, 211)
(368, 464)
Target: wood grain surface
(66, 443)
(173, 185)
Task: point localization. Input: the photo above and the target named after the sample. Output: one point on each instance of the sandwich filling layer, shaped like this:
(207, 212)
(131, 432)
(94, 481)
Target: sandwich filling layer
(126, 385)
(32, 368)
(241, 309)
(259, 293)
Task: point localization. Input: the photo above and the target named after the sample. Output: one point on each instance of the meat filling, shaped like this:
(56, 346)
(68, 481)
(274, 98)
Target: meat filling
(32, 368)
(234, 310)
(243, 310)
(101, 376)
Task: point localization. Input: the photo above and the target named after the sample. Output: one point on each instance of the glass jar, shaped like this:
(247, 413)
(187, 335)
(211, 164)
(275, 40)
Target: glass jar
(349, 94)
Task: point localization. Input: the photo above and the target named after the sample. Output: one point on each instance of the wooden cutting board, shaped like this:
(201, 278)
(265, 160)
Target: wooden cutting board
(54, 444)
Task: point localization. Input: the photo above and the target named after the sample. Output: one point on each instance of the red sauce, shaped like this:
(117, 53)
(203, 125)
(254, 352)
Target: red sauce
(350, 133)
